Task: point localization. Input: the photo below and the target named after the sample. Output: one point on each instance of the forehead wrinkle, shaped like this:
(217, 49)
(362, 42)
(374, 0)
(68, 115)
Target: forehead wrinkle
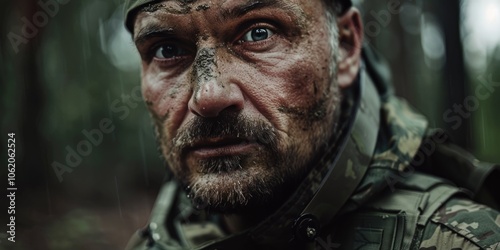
(162, 5)
(151, 30)
(251, 5)
(244, 8)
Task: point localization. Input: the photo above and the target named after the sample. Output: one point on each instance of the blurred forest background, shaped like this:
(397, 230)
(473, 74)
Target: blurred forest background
(79, 68)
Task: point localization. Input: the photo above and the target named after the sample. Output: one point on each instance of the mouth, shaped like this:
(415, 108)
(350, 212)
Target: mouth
(217, 147)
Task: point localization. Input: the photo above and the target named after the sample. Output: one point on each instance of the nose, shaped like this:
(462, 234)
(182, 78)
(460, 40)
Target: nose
(213, 92)
(212, 98)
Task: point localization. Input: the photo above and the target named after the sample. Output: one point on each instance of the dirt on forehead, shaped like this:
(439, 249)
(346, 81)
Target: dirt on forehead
(185, 7)
(202, 7)
(187, 1)
(150, 8)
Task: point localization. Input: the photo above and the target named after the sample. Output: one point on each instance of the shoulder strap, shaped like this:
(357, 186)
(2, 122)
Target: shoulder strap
(462, 168)
(348, 168)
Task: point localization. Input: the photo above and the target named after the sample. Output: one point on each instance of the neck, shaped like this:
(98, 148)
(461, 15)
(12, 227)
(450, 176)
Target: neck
(253, 215)
(236, 223)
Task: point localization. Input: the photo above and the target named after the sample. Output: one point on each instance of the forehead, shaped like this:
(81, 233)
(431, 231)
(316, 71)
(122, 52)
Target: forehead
(225, 9)
(187, 5)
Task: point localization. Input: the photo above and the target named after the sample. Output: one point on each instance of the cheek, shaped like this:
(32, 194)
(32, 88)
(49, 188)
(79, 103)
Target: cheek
(305, 82)
(306, 101)
(166, 98)
(304, 98)
(301, 81)
(308, 76)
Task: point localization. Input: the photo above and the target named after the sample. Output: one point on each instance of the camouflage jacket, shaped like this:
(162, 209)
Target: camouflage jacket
(390, 182)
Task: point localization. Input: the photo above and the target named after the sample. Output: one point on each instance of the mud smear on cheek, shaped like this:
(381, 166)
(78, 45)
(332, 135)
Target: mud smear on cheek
(176, 89)
(157, 120)
(173, 93)
(318, 96)
(158, 123)
(304, 79)
(306, 116)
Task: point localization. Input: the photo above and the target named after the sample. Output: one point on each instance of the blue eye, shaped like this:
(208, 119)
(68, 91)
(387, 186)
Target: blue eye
(169, 51)
(257, 34)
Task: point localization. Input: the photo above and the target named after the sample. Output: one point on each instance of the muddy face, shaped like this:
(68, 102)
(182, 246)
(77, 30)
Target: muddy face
(241, 93)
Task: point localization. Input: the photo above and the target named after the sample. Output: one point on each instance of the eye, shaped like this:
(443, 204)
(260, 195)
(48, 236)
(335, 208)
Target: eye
(169, 51)
(257, 34)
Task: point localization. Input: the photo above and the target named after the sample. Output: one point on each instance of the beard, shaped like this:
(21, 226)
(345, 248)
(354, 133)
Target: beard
(260, 179)
(233, 183)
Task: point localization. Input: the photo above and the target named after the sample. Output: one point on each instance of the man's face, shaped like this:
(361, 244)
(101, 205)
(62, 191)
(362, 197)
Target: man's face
(241, 93)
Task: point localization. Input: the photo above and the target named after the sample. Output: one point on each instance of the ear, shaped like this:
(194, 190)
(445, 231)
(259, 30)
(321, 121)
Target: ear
(350, 44)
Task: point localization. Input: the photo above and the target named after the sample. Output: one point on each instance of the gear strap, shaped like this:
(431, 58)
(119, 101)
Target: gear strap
(347, 170)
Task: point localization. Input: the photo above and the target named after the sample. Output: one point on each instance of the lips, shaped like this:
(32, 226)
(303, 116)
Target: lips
(216, 147)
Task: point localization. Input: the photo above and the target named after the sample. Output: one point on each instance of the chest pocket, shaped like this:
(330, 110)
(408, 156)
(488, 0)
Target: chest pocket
(373, 231)
(391, 221)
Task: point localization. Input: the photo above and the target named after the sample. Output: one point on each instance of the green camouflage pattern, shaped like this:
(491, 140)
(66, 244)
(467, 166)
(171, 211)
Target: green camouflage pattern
(407, 129)
(459, 224)
(401, 134)
(462, 224)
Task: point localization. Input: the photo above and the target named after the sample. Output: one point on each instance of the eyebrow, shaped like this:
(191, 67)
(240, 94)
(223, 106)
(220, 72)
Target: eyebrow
(153, 30)
(157, 30)
(251, 5)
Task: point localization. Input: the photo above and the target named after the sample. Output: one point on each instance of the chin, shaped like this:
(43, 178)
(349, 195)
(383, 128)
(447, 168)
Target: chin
(229, 189)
